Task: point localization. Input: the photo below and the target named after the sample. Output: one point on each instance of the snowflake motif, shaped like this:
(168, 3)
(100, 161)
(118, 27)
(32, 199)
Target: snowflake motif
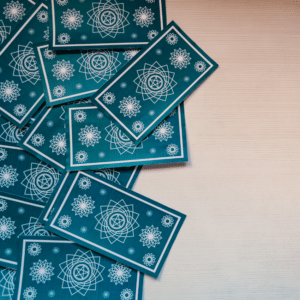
(41, 271)
(149, 259)
(167, 221)
(80, 116)
(164, 131)
(180, 59)
(51, 294)
(59, 91)
(3, 154)
(138, 126)
(84, 183)
(131, 251)
(152, 34)
(29, 293)
(143, 17)
(21, 210)
(49, 54)
(7, 227)
(20, 110)
(34, 249)
(63, 38)
(89, 135)
(83, 206)
(59, 144)
(172, 39)
(200, 66)
(71, 19)
(14, 11)
(8, 252)
(8, 176)
(129, 107)
(55, 250)
(119, 273)
(64, 221)
(81, 157)
(109, 98)
(62, 2)
(3, 205)
(46, 34)
(38, 140)
(9, 91)
(126, 294)
(129, 54)
(63, 70)
(4, 32)
(172, 149)
(42, 16)
(150, 236)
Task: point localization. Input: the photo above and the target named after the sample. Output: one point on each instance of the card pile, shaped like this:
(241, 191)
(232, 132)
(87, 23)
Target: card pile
(90, 91)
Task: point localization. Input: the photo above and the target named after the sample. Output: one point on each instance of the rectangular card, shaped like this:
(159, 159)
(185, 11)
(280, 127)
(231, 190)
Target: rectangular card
(75, 75)
(110, 147)
(18, 217)
(7, 283)
(72, 272)
(23, 175)
(21, 91)
(154, 83)
(116, 222)
(106, 24)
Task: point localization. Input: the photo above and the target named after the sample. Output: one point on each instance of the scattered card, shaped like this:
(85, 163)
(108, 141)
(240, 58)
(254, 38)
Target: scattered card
(106, 24)
(7, 283)
(116, 222)
(70, 271)
(154, 83)
(95, 142)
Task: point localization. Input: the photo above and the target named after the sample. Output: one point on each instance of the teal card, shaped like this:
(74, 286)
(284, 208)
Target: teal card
(18, 217)
(95, 142)
(59, 269)
(75, 75)
(116, 222)
(7, 283)
(21, 91)
(23, 175)
(154, 83)
(123, 176)
(106, 24)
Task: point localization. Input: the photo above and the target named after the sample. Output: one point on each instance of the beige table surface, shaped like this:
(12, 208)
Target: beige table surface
(240, 189)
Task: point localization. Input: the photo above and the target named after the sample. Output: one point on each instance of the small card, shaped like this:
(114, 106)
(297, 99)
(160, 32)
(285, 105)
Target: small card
(116, 222)
(21, 91)
(75, 75)
(59, 269)
(7, 283)
(106, 24)
(95, 142)
(154, 83)
(18, 217)
(23, 175)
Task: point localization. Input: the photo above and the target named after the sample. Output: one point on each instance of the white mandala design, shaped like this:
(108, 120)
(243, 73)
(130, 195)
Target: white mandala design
(172, 39)
(89, 135)
(7, 283)
(172, 149)
(59, 91)
(40, 181)
(24, 64)
(129, 107)
(155, 82)
(11, 133)
(20, 110)
(33, 228)
(7, 227)
(62, 2)
(3, 205)
(84, 183)
(80, 116)
(49, 54)
(152, 34)
(59, 144)
(63, 38)
(81, 272)
(129, 54)
(126, 294)
(149, 259)
(3, 154)
(180, 58)
(41, 271)
(109, 174)
(83, 206)
(81, 157)
(4, 32)
(167, 221)
(9, 91)
(99, 65)
(119, 274)
(109, 98)
(29, 293)
(8, 176)
(150, 236)
(200, 66)
(138, 126)
(108, 18)
(71, 19)
(34, 249)
(42, 16)
(46, 34)
(14, 11)
(63, 70)
(64, 221)
(164, 131)
(37, 140)
(116, 221)
(143, 17)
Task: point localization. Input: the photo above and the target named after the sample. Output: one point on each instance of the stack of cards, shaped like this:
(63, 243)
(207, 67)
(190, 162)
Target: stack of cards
(89, 93)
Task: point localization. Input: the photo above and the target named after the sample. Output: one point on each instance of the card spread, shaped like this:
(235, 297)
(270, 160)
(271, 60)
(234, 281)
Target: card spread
(116, 222)
(7, 283)
(18, 217)
(154, 83)
(21, 91)
(75, 75)
(23, 175)
(95, 142)
(72, 272)
(106, 24)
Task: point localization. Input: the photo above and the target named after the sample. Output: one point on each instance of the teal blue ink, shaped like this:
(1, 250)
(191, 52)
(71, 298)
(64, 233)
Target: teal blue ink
(7, 283)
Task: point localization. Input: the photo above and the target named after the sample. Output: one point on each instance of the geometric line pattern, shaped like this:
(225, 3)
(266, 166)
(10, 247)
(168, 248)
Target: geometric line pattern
(4, 31)
(33, 228)
(7, 278)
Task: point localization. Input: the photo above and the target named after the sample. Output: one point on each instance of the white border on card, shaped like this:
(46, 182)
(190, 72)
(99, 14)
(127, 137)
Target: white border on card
(105, 249)
(3, 50)
(123, 161)
(99, 44)
(56, 242)
(133, 64)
